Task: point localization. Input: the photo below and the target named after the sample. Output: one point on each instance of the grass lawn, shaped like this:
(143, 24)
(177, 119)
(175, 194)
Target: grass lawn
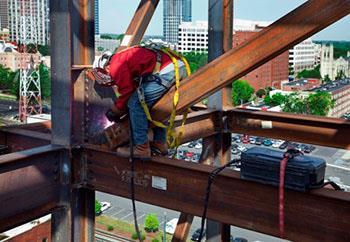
(125, 229)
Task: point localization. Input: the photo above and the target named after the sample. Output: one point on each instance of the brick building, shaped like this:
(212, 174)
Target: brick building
(340, 91)
(301, 85)
(15, 60)
(271, 73)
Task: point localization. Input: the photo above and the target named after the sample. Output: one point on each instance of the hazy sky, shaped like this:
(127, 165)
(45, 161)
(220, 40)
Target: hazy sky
(115, 15)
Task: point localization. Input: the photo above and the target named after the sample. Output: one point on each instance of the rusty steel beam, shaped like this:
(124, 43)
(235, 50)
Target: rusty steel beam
(310, 216)
(295, 127)
(29, 185)
(306, 20)
(23, 139)
(182, 228)
(139, 23)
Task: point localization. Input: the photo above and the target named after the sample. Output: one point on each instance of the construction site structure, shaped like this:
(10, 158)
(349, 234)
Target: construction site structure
(29, 78)
(56, 167)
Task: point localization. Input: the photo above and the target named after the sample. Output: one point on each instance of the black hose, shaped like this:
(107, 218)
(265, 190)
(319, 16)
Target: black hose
(132, 161)
(211, 178)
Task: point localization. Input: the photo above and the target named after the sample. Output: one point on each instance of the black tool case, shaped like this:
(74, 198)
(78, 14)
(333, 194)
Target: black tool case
(263, 165)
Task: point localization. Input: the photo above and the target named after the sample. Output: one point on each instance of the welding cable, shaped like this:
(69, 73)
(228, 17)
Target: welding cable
(211, 179)
(132, 183)
(290, 154)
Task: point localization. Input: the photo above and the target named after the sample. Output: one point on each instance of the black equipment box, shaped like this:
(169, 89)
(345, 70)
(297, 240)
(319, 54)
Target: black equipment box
(263, 165)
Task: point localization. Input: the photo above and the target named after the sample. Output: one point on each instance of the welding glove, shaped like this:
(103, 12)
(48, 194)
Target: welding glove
(115, 115)
(100, 76)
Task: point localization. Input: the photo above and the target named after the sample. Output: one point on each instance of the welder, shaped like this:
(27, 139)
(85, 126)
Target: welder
(139, 73)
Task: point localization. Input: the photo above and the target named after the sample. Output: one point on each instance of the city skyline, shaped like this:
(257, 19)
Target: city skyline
(267, 10)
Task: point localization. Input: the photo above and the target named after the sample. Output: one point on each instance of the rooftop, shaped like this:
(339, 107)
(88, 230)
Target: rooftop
(333, 86)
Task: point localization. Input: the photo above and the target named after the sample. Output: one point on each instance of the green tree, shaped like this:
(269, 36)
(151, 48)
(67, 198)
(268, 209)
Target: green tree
(196, 60)
(326, 79)
(260, 93)
(241, 92)
(135, 237)
(100, 48)
(45, 81)
(320, 103)
(31, 48)
(340, 75)
(106, 36)
(44, 50)
(314, 73)
(294, 103)
(5, 77)
(275, 100)
(98, 207)
(151, 223)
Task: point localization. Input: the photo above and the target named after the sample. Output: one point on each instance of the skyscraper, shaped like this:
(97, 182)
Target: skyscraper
(186, 10)
(97, 20)
(29, 21)
(174, 12)
(3, 14)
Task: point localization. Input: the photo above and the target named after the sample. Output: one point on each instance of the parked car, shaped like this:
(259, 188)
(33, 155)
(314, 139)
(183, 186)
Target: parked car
(267, 142)
(192, 144)
(171, 225)
(284, 145)
(245, 139)
(198, 146)
(242, 148)
(195, 235)
(277, 143)
(258, 141)
(105, 206)
(252, 140)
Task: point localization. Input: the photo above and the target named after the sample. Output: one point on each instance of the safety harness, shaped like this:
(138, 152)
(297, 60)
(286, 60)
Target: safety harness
(173, 139)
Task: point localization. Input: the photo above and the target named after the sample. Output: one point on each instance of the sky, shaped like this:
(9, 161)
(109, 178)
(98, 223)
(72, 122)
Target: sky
(115, 15)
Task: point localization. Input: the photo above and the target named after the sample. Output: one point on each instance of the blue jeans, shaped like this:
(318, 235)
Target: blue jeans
(153, 91)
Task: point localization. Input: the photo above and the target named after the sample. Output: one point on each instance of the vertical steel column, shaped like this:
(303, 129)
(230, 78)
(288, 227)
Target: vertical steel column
(83, 54)
(220, 40)
(61, 111)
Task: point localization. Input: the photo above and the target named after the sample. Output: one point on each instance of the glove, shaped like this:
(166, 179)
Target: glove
(100, 76)
(115, 115)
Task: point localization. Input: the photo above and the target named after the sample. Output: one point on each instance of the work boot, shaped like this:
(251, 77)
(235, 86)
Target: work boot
(142, 152)
(159, 148)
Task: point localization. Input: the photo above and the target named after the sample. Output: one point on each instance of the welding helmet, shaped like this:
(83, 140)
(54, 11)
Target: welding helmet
(103, 60)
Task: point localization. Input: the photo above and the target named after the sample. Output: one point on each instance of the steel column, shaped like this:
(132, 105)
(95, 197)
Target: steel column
(308, 19)
(220, 38)
(60, 25)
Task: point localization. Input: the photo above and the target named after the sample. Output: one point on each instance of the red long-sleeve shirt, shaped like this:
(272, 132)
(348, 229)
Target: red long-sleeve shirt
(129, 64)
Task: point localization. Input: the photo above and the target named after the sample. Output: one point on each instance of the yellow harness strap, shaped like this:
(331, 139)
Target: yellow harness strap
(173, 140)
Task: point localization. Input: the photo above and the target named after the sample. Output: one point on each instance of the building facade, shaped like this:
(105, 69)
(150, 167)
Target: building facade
(303, 56)
(270, 74)
(29, 21)
(331, 66)
(4, 21)
(97, 17)
(301, 85)
(186, 10)
(340, 92)
(193, 36)
(16, 61)
(175, 12)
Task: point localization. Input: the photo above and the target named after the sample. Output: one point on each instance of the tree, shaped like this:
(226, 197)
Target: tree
(275, 100)
(314, 73)
(45, 81)
(98, 207)
(106, 36)
(100, 49)
(151, 223)
(5, 77)
(340, 75)
(260, 93)
(241, 92)
(326, 79)
(196, 60)
(294, 103)
(44, 50)
(31, 48)
(320, 103)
